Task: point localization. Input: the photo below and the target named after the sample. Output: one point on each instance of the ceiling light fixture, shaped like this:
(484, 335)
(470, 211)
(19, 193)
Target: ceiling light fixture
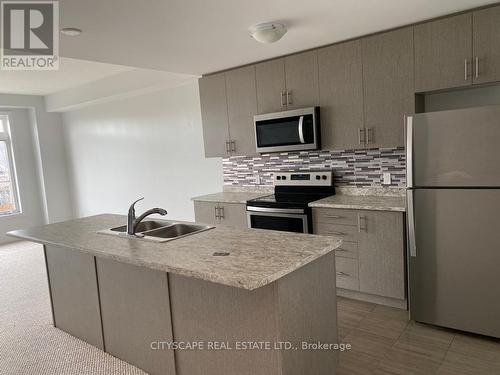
(71, 31)
(268, 32)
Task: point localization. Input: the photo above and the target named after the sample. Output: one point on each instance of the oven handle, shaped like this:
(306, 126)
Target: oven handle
(301, 129)
(276, 210)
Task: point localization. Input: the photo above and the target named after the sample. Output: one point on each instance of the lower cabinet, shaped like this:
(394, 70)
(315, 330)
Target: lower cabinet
(371, 258)
(218, 213)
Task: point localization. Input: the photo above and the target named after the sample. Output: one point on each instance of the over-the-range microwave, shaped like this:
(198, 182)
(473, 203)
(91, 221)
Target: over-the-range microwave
(293, 130)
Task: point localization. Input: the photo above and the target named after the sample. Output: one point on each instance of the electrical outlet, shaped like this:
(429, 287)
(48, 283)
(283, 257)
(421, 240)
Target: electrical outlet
(257, 178)
(386, 176)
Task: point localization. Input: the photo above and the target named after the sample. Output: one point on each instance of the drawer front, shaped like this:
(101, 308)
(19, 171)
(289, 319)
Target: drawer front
(347, 273)
(347, 250)
(335, 216)
(346, 232)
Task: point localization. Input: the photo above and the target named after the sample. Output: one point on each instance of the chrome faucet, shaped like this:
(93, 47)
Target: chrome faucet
(133, 222)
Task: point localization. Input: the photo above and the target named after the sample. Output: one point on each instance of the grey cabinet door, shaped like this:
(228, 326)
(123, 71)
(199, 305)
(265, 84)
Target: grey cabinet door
(242, 106)
(388, 86)
(135, 313)
(204, 212)
(301, 72)
(270, 78)
(486, 35)
(74, 293)
(233, 215)
(341, 95)
(443, 50)
(214, 114)
(381, 254)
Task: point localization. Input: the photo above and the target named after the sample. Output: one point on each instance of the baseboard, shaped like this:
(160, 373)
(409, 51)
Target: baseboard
(387, 301)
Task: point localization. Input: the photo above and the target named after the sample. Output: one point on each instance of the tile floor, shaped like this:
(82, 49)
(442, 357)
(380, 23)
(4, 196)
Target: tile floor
(384, 341)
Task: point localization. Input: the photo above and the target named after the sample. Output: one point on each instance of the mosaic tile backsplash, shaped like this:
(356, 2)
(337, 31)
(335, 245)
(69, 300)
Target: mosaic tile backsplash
(350, 167)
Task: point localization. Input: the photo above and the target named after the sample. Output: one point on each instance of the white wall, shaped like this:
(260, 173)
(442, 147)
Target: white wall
(30, 190)
(49, 152)
(150, 146)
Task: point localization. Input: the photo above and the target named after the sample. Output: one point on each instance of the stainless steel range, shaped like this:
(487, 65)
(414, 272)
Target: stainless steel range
(287, 209)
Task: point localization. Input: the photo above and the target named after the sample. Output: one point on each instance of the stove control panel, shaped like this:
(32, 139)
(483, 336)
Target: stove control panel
(303, 178)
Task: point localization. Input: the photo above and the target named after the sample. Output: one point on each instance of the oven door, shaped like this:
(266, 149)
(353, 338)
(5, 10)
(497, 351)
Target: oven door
(278, 219)
(287, 131)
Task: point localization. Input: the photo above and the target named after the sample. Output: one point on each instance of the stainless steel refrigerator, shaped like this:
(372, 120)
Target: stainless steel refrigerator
(453, 218)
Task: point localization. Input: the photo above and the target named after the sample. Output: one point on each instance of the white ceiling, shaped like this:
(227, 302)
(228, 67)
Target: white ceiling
(71, 73)
(200, 36)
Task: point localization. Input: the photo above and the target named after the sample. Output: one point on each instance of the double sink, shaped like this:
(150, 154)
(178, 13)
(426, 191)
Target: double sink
(158, 230)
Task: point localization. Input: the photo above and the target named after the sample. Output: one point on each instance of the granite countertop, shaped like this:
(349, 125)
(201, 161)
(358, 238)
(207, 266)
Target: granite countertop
(229, 197)
(362, 202)
(257, 257)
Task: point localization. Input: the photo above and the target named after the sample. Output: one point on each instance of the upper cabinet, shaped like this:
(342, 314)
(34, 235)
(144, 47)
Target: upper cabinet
(241, 107)
(271, 86)
(288, 83)
(214, 115)
(341, 96)
(301, 73)
(443, 51)
(486, 53)
(228, 104)
(387, 86)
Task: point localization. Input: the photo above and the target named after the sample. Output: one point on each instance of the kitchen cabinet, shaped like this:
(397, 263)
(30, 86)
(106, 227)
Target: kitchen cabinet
(74, 294)
(133, 319)
(341, 96)
(219, 213)
(241, 107)
(271, 86)
(301, 73)
(387, 86)
(443, 51)
(214, 115)
(288, 83)
(486, 53)
(371, 258)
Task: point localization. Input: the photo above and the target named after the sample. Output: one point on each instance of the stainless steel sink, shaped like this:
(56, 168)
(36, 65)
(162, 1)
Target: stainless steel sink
(158, 231)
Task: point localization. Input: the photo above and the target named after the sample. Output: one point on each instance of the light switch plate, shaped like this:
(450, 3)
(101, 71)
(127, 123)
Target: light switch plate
(386, 178)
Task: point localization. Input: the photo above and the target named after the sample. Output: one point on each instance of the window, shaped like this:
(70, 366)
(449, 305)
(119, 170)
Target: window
(9, 202)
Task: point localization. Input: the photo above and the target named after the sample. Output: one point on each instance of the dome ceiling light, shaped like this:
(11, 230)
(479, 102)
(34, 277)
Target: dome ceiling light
(268, 32)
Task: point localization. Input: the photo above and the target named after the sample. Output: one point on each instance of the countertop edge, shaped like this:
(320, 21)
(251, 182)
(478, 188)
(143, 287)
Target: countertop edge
(200, 276)
(356, 207)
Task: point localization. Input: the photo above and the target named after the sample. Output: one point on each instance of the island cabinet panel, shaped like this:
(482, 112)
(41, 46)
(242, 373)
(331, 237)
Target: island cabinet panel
(219, 213)
(341, 96)
(300, 307)
(486, 54)
(214, 115)
(74, 294)
(388, 86)
(135, 313)
(443, 50)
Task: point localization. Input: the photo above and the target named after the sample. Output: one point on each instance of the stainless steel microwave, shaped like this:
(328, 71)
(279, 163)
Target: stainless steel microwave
(293, 130)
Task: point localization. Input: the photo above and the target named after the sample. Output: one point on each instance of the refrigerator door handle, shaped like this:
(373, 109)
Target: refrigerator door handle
(412, 245)
(409, 151)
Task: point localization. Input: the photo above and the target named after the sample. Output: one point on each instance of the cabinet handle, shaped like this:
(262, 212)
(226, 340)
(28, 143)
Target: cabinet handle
(334, 216)
(466, 75)
(283, 103)
(289, 98)
(361, 223)
(233, 146)
(477, 67)
(221, 212)
(336, 233)
(340, 273)
(361, 136)
(217, 212)
(369, 135)
(228, 148)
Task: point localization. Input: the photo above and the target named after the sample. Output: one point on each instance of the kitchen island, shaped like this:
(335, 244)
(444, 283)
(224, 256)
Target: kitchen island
(179, 307)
